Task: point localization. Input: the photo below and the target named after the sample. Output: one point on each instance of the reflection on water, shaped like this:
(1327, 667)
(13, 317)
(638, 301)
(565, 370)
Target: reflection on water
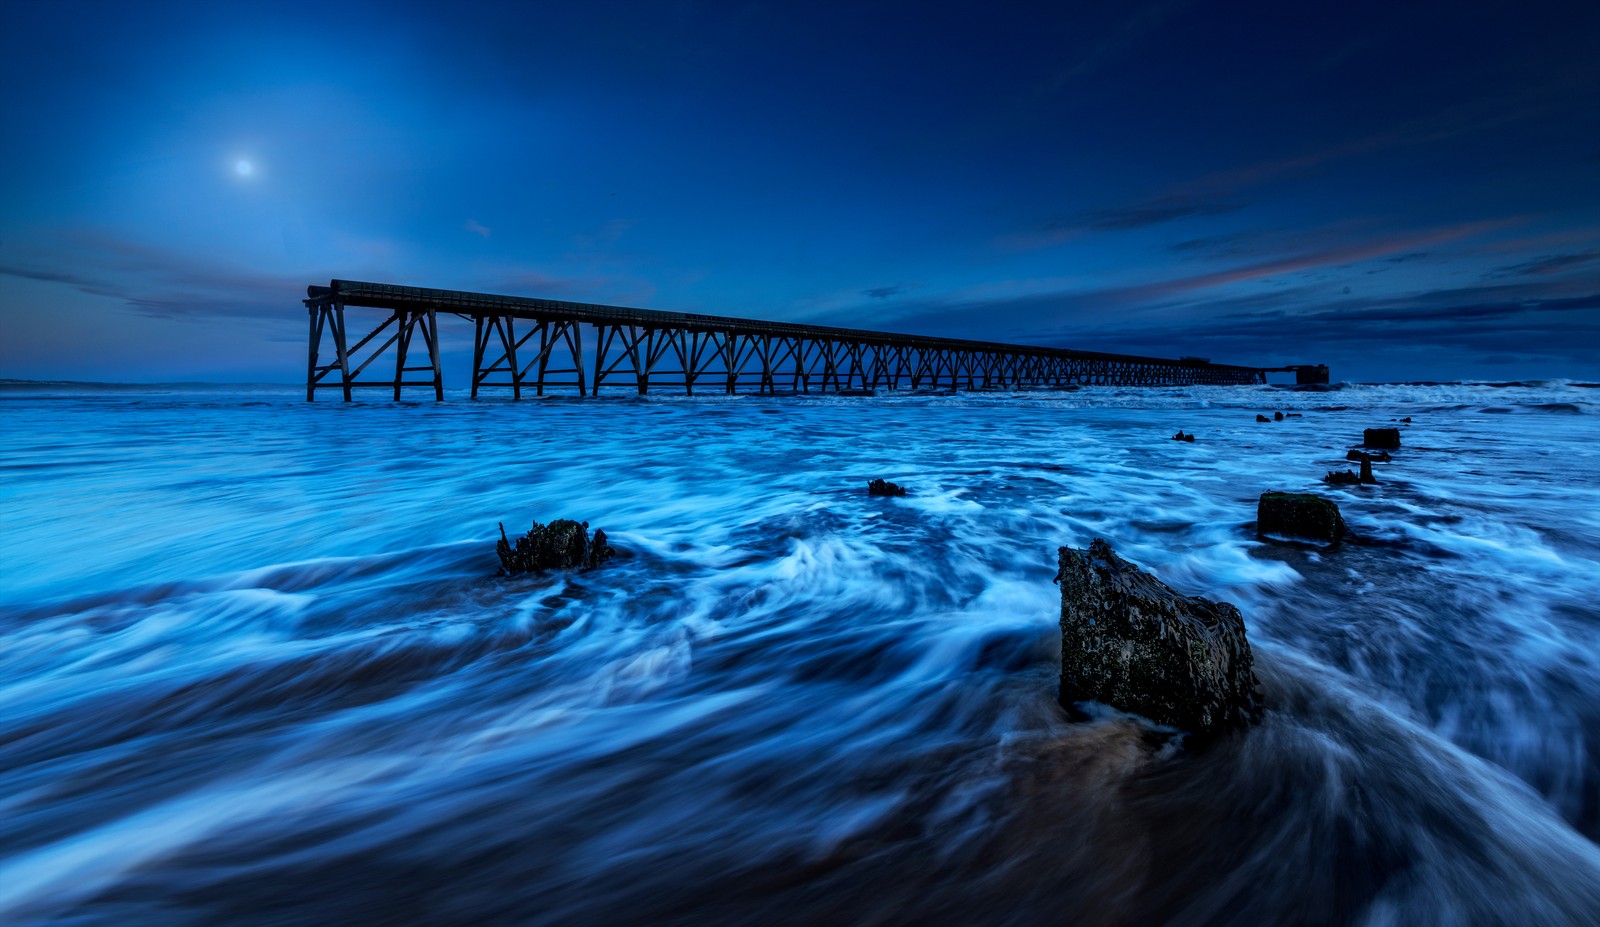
(257, 667)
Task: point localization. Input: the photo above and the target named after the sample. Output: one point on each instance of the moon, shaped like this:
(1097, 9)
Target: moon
(243, 168)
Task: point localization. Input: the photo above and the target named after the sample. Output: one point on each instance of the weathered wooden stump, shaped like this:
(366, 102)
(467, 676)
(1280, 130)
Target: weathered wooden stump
(1386, 438)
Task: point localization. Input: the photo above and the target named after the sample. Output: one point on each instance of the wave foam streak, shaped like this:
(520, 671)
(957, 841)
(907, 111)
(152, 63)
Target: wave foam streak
(281, 681)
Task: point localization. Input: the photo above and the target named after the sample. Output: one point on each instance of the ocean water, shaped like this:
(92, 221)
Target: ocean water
(257, 665)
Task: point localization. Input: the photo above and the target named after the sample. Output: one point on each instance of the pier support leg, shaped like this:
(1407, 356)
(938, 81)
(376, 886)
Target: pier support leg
(477, 353)
(432, 334)
(576, 328)
(337, 317)
(400, 348)
(508, 335)
(315, 315)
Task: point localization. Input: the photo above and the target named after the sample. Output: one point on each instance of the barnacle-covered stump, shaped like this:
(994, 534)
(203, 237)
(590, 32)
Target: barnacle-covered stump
(562, 544)
(1130, 641)
(1299, 515)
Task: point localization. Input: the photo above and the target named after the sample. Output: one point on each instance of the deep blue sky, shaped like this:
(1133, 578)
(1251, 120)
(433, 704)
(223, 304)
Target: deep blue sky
(1403, 191)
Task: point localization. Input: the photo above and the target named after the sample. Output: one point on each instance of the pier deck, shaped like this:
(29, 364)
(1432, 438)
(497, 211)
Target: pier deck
(522, 343)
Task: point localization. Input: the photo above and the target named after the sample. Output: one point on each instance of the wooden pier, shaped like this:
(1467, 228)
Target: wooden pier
(538, 345)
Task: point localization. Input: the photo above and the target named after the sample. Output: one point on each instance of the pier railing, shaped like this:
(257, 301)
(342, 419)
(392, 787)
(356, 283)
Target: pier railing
(538, 345)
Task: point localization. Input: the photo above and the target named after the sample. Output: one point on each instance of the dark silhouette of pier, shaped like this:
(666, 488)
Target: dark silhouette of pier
(522, 343)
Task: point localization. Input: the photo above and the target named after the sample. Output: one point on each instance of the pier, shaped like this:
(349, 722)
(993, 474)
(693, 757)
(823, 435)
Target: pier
(533, 345)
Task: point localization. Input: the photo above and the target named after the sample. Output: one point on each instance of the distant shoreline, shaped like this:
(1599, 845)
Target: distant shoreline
(8, 383)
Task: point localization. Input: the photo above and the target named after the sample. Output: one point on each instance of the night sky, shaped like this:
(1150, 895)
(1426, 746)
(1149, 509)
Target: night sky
(1402, 191)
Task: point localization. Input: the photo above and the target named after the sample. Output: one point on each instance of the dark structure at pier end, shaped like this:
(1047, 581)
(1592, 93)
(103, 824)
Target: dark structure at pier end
(522, 344)
(1309, 374)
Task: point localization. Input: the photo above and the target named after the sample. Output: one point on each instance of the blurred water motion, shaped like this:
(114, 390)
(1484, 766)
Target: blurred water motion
(257, 666)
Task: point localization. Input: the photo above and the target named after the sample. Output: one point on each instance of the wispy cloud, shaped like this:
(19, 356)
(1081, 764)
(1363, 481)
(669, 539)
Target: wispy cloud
(1511, 320)
(1232, 244)
(157, 282)
(1117, 219)
(478, 228)
(1326, 257)
(1553, 264)
(1155, 212)
(1035, 312)
(1297, 326)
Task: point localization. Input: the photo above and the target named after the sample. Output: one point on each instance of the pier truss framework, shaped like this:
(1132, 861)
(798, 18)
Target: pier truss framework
(551, 346)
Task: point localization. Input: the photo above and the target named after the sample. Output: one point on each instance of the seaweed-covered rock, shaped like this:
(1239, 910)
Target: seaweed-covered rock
(1180, 436)
(1277, 416)
(1367, 479)
(884, 488)
(1387, 438)
(1298, 515)
(1262, 418)
(1130, 641)
(562, 544)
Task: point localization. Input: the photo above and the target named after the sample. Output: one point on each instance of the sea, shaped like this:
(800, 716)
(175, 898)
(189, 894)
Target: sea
(258, 664)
